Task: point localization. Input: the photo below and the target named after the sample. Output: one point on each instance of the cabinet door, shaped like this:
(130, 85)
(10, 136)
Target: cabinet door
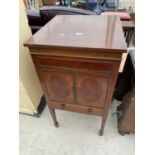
(58, 85)
(91, 89)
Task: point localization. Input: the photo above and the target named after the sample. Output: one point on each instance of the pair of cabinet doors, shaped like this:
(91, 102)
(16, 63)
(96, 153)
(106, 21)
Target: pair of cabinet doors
(72, 83)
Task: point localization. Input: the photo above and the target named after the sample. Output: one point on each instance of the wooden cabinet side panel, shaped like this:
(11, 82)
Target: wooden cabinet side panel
(36, 64)
(113, 81)
(110, 92)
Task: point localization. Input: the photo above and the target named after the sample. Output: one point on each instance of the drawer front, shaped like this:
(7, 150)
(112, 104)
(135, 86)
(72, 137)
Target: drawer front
(77, 108)
(91, 89)
(58, 85)
(74, 63)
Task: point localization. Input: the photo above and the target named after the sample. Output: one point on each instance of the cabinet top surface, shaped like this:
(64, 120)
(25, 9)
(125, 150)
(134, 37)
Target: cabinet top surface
(81, 31)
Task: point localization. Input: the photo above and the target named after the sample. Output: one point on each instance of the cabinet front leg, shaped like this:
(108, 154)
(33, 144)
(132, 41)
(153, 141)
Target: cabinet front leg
(102, 126)
(52, 111)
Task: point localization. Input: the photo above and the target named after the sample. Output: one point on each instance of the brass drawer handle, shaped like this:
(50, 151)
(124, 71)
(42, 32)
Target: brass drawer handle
(62, 106)
(90, 110)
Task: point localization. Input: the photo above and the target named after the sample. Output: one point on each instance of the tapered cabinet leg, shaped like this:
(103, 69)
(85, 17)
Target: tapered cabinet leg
(52, 111)
(101, 131)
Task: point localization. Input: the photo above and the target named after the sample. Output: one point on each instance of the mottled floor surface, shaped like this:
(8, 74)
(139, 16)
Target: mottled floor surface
(77, 135)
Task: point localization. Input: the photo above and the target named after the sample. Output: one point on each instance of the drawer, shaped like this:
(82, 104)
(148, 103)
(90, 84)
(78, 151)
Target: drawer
(74, 63)
(77, 108)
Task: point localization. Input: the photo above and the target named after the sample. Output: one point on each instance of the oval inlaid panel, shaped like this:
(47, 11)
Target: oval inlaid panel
(59, 86)
(91, 90)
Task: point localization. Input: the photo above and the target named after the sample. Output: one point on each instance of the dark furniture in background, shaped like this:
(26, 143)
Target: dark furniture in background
(76, 65)
(126, 110)
(128, 28)
(37, 19)
(48, 13)
(34, 20)
(123, 83)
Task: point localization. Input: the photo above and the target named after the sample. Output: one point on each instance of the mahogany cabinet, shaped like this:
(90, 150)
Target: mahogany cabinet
(77, 61)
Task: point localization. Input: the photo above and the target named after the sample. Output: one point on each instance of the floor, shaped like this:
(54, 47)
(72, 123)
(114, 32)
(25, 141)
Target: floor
(77, 135)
